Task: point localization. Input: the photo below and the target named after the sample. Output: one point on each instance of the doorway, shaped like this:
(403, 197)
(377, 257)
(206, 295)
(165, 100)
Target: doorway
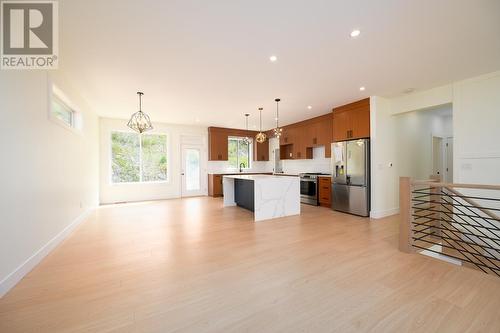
(442, 158)
(192, 170)
(448, 168)
(437, 156)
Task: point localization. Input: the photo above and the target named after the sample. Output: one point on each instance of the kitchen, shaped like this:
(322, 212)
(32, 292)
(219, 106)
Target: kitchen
(314, 149)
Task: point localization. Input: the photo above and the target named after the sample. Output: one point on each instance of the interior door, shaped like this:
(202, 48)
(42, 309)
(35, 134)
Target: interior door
(191, 172)
(449, 160)
(437, 156)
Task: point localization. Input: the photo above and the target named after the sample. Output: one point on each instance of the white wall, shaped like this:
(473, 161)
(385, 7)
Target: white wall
(476, 126)
(49, 174)
(111, 193)
(384, 186)
(476, 115)
(414, 132)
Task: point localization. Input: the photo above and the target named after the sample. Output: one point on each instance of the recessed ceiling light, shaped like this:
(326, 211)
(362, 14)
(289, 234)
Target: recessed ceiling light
(362, 88)
(273, 58)
(309, 107)
(355, 33)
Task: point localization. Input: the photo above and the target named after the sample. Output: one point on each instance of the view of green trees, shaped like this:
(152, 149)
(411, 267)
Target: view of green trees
(133, 153)
(238, 152)
(154, 157)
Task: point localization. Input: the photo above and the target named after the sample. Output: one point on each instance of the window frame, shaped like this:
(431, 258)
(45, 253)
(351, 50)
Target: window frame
(141, 182)
(250, 152)
(56, 94)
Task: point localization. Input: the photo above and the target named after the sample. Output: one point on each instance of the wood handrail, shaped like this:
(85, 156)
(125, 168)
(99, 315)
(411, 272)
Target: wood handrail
(441, 184)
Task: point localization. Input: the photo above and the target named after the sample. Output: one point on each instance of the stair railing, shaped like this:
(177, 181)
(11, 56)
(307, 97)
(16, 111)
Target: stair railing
(457, 221)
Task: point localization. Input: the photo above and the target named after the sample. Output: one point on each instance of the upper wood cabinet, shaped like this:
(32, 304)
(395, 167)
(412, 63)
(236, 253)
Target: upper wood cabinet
(352, 121)
(298, 140)
(261, 151)
(217, 144)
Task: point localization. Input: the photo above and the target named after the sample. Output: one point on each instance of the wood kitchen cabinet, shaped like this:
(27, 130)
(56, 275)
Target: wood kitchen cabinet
(301, 148)
(261, 151)
(352, 121)
(325, 191)
(215, 185)
(299, 139)
(217, 144)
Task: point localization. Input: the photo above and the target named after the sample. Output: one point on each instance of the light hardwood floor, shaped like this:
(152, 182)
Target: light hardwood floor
(190, 266)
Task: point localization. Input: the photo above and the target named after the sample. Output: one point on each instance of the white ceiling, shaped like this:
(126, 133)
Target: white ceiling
(209, 60)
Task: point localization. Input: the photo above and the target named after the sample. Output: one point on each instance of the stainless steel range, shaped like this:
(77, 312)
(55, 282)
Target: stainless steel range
(309, 188)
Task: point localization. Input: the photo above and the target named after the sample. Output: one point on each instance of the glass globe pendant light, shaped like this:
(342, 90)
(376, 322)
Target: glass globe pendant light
(277, 130)
(140, 121)
(246, 139)
(260, 137)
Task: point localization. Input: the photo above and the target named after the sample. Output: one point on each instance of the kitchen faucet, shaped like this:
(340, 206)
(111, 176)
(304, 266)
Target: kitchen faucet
(242, 165)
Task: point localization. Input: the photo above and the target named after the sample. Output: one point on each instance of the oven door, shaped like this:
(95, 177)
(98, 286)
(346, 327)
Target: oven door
(309, 191)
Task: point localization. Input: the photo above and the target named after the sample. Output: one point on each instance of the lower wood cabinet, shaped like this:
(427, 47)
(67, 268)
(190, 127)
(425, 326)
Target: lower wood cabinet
(215, 185)
(325, 191)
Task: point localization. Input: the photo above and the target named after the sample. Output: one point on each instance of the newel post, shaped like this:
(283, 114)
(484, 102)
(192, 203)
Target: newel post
(436, 205)
(405, 214)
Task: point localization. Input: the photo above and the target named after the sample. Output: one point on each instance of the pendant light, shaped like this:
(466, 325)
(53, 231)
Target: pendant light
(246, 139)
(140, 121)
(277, 131)
(260, 137)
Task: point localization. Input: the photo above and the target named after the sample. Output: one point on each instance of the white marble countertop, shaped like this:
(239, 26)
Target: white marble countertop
(252, 177)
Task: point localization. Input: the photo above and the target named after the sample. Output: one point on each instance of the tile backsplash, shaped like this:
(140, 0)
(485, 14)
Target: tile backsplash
(317, 164)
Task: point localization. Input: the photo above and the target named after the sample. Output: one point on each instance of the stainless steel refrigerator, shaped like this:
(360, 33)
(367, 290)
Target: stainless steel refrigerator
(351, 177)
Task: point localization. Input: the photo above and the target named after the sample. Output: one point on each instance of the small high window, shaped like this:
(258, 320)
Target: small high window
(62, 112)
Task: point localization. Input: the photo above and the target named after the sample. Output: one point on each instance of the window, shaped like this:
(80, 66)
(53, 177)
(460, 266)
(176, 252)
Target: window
(138, 157)
(239, 152)
(63, 112)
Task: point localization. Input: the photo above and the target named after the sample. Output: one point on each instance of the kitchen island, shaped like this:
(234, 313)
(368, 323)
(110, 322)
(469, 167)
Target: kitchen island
(267, 196)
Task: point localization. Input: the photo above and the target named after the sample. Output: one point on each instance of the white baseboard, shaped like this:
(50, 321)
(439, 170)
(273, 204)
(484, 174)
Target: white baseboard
(13, 278)
(384, 213)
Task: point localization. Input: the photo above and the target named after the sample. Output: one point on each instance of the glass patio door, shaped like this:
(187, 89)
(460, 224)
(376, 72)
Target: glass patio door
(191, 171)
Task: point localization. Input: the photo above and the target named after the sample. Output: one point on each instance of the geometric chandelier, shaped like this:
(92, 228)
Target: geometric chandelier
(140, 121)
